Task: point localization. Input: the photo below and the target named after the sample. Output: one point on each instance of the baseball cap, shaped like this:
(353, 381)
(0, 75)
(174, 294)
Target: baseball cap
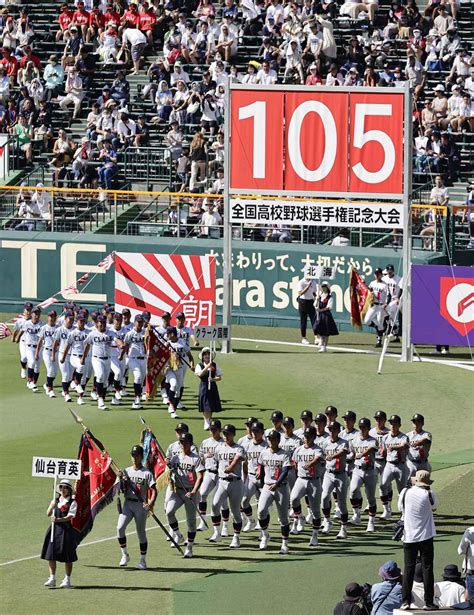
(418, 417)
(395, 419)
(251, 420)
(334, 426)
(439, 88)
(277, 416)
(288, 420)
(36, 310)
(349, 415)
(186, 437)
(136, 450)
(52, 313)
(229, 429)
(117, 316)
(380, 414)
(215, 424)
(330, 410)
(310, 432)
(378, 270)
(69, 315)
(139, 318)
(28, 306)
(320, 418)
(81, 316)
(166, 315)
(146, 314)
(181, 427)
(274, 435)
(126, 311)
(306, 414)
(180, 315)
(390, 267)
(100, 318)
(110, 310)
(257, 426)
(171, 331)
(364, 423)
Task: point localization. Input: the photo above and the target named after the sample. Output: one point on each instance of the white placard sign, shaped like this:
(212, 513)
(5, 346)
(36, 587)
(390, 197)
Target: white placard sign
(319, 272)
(212, 333)
(56, 467)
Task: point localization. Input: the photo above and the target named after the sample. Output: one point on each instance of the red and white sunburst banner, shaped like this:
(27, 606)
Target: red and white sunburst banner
(166, 283)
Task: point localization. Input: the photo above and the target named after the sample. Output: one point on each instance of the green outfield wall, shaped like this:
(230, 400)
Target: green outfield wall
(265, 275)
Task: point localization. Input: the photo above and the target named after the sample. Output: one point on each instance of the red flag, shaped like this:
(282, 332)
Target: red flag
(157, 357)
(97, 485)
(360, 298)
(5, 330)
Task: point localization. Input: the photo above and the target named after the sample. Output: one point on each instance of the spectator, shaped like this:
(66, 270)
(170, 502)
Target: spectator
(142, 135)
(334, 76)
(86, 67)
(106, 124)
(174, 138)
(349, 604)
(92, 121)
(198, 156)
(266, 75)
(443, 22)
(54, 78)
(210, 222)
(466, 546)
(464, 121)
(10, 64)
(164, 103)
(137, 41)
(27, 74)
(30, 57)
(120, 89)
(64, 21)
(450, 159)
(451, 589)
(108, 170)
(387, 596)
(417, 504)
(157, 72)
(342, 239)
(43, 201)
(439, 197)
(81, 19)
(25, 134)
(226, 44)
(96, 24)
(179, 74)
(109, 44)
(73, 44)
(126, 131)
(82, 156)
(146, 22)
(74, 92)
(4, 86)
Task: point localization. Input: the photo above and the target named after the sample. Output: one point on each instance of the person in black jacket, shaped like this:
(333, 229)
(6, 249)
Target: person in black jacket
(351, 605)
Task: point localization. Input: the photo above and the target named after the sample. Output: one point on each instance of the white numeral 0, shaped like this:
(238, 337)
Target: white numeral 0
(361, 138)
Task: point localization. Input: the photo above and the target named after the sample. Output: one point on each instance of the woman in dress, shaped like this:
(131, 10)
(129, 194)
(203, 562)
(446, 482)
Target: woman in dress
(324, 325)
(63, 546)
(209, 373)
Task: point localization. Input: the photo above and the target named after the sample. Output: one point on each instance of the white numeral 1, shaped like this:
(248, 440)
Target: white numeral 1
(257, 111)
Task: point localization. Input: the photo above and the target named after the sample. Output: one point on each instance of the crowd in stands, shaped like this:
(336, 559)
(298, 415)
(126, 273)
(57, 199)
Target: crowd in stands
(197, 46)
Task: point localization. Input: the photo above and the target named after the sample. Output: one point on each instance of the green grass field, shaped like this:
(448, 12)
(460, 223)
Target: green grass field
(258, 377)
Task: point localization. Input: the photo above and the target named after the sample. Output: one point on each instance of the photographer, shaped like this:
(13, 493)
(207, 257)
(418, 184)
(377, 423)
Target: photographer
(387, 596)
(355, 601)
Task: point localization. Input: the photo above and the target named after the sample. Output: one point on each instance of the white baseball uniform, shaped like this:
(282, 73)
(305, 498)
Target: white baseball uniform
(47, 336)
(30, 334)
(376, 313)
(61, 335)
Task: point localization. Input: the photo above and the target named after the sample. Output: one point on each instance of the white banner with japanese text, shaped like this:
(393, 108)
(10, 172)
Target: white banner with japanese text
(51, 467)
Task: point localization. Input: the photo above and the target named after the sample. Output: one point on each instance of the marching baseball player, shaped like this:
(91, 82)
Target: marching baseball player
(289, 442)
(393, 282)
(207, 451)
(335, 478)
(307, 457)
(98, 343)
(277, 420)
(74, 351)
(331, 414)
(60, 343)
(175, 372)
(133, 346)
(363, 447)
(322, 434)
(245, 440)
(274, 465)
(29, 332)
(306, 418)
(395, 444)
(162, 333)
(184, 335)
(419, 449)
(187, 473)
(127, 325)
(17, 339)
(117, 363)
(230, 457)
(109, 313)
(45, 350)
(251, 482)
(377, 313)
(133, 508)
(348, 433)
(379, 432)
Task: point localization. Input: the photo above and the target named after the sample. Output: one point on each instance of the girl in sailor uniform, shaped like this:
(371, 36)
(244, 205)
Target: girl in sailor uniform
(209, 373)
(324, 325)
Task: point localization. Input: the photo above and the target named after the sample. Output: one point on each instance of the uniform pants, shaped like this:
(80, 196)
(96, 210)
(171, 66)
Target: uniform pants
(117, 367)
(393, 311)
(175, 379)
(376, 315)
(291, 478)
(65, 368)
(207, 486)
(231, 490)
(413, 467)
(133, 510)
(22, 350)
(281, 497)
(82, 370)
(101, 369)
(311, 488)
(306, 309)
(251, 488)
(138, 369)
(392, 472)
(368, 478)
(31, 361)
(175, 501)
(51, 366)
(339, 484)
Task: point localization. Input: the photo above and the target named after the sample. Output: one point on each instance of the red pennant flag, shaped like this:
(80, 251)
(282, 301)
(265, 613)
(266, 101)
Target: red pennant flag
(157, 357)
(5, 330)
(97, 485)
(360, 298)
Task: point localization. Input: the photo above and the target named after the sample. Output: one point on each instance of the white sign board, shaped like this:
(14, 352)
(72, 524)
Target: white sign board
(312, 213)
(212, 333)
(56, 467)
(319, 272)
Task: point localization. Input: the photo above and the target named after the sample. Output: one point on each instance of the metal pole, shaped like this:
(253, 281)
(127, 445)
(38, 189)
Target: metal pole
(227, 248)
(407, 348)
(115, 213)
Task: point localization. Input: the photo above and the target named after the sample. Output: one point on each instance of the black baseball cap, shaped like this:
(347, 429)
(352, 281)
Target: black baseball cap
(117, 316)
(251, 420)
(321, 418)
(229, 428)
(100, 318)
(81, 316)
(139, 318)
(110, 310)
(306, 414)
(146, 314)
(215, 424)
(36, 310)
(28, 306)
(136, 450)
(257, 426)
(182, 427)
(330, 410)
(334, 426)
(418, 417)
(277, 416)
(390, 267)
(309, 432)
(186, 437)
(350, 415)
(288, 420)
(171, 331)
(53, 313)
(395, 419)
(274, 435)
(378, 270)
(180, 315)
(364, 423)
(166, 315)
(380, 414)
(126, 311)
(69, 315)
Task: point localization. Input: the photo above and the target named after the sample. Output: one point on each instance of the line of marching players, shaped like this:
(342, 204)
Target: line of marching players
(285, 468)
(104, 345)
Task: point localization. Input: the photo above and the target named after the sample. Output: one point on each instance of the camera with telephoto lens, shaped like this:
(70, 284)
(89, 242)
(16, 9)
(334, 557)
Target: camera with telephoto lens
(365, 597)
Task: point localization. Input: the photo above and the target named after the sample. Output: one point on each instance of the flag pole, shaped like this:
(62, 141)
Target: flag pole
(53, 516)
(176, 477)
(136, 493)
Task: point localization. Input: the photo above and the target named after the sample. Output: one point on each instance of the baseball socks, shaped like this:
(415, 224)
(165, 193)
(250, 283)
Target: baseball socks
(189, 545)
